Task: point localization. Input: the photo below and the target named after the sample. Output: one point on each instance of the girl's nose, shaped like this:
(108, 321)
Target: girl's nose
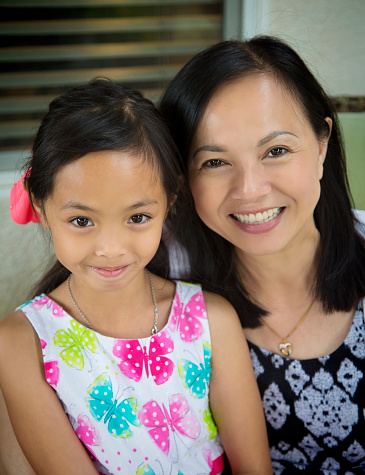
(112, 243)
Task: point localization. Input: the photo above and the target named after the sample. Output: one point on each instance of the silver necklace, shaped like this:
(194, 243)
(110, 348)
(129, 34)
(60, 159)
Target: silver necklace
(154, 328)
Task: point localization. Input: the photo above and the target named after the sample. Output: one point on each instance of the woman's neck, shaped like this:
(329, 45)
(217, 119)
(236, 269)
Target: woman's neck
(288, 274)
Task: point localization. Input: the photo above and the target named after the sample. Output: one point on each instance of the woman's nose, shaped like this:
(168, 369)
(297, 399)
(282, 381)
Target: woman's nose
(250, 184)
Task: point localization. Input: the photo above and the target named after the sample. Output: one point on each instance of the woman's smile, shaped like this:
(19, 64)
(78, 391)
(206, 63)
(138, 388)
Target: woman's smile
(257, 223)
(257, 218)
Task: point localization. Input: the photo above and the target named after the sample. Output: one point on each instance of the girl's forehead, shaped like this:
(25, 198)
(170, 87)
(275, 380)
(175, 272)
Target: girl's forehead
(107, 173)
(114, 163)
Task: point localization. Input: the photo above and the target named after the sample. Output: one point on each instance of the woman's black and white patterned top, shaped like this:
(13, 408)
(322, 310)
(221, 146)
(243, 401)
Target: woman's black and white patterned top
(315, 409)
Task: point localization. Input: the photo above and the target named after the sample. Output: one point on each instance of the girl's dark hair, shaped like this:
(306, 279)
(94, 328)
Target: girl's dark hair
(100, 115)
(340, 279)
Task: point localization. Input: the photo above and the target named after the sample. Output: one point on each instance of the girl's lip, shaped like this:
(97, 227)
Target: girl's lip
(109, 271)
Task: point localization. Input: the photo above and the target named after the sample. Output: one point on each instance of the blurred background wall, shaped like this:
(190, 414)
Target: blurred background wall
(47, 46)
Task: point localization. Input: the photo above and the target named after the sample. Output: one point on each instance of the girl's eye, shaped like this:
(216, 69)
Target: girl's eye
(82, 222)
(277, 152)
(138, 219)
(213, 163)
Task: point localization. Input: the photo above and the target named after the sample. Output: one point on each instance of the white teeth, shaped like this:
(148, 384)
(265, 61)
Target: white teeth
(258, 218)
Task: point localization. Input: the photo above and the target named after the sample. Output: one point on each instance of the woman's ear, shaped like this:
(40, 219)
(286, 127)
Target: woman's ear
(323, 146)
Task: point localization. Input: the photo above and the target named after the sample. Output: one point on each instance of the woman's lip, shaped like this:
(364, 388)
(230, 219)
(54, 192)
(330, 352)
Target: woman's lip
(257, 217)
(109, 271)
(255, 211)
(259, 227)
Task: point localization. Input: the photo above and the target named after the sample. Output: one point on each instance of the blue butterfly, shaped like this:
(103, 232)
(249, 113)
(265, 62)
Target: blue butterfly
(117, 416)
(145, 469)
(196, 378)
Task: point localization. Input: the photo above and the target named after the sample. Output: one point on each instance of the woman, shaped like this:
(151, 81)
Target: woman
(274, 232)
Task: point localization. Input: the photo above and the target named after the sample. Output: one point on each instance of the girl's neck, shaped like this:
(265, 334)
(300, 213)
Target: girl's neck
(124, 313)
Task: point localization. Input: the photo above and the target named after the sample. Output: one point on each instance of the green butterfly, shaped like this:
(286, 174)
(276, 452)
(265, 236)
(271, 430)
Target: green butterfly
(212, 428)
(75, 341)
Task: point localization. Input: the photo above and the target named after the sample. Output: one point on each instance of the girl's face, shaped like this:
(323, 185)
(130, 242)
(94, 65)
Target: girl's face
(255, 167)
(105, 215)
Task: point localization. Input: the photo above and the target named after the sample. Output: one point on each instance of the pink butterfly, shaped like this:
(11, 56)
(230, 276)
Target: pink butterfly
(217, 465)
(87, 433)
(57, 311)
(134, 357)
(158, 421)
(51, 369)
(186, 318)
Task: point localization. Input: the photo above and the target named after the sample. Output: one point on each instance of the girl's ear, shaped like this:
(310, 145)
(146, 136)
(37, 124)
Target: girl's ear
(40, 212)
(323, 145)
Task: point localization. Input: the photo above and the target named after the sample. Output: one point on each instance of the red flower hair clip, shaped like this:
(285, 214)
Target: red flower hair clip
(21, 210)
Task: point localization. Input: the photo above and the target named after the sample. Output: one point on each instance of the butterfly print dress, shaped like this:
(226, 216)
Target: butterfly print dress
(138, 406)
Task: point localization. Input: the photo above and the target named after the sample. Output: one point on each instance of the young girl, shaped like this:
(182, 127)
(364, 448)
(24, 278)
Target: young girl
(112, 368)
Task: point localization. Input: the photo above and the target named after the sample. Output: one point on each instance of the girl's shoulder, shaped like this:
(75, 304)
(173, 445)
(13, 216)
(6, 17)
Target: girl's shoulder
(18, 339)
(223, 318)
(15, 324)
(215, 304)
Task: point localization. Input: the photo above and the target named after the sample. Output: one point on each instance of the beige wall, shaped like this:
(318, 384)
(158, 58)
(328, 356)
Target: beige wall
(328, 34)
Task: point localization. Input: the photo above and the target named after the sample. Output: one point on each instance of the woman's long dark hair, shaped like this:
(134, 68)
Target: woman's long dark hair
(100, 115)
(340, 279)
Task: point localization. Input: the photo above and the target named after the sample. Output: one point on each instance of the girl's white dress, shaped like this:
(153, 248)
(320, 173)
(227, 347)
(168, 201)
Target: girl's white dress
(138, 406)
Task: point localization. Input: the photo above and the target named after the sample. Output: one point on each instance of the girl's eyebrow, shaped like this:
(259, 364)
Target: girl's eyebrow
(143, 203)
(81, 207)
(274, 134)
(75, 205)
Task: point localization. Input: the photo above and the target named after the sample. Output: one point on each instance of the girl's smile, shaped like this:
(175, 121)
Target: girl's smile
(109, 272)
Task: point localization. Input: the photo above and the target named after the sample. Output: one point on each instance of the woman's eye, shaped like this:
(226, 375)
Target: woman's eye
(213, 163)
(82, 222)
(277, 152)
(138, 219)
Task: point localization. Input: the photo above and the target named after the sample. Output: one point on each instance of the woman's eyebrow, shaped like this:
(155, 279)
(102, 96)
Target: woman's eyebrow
(209, 148)
(274, 134)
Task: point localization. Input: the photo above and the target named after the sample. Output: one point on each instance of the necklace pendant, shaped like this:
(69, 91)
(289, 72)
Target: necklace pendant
(154, 329)
(285, 348)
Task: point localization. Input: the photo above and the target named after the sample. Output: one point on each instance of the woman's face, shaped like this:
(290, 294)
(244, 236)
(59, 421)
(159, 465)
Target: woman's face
(255, 167)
